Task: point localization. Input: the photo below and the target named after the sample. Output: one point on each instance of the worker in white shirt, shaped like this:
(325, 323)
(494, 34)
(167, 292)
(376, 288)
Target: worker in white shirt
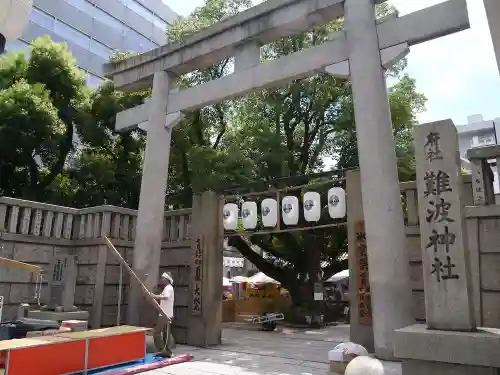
(163, 337)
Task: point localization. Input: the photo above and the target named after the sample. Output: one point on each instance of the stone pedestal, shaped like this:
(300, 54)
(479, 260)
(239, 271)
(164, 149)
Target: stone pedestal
(427, 352)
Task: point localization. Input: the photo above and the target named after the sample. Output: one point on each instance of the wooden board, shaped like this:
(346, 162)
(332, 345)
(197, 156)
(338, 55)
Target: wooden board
(31, 342)
(103, 332)
(363, 282)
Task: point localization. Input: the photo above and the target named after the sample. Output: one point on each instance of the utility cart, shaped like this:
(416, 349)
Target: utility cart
(268, 321)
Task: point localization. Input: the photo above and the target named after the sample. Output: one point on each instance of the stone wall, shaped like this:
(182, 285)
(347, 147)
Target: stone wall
(483, 235)
(33, 232)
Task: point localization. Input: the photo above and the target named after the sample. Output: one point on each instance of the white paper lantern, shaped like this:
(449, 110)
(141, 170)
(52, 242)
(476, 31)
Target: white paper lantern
(249, 215)
(269, 209)
(336, 203)
(290, 210)
(312, 206)
(230, 216)
(14, 17)
(365, 365)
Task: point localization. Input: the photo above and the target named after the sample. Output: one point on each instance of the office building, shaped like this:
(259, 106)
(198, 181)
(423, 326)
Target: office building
(477, 133)
(93, 29)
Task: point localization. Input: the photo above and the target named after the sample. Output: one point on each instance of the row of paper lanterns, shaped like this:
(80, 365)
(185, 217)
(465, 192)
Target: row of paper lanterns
(289, 210)
(233, 262)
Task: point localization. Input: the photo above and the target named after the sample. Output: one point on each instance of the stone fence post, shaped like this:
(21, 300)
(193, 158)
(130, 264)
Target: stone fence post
(361, 327)
(205, 307)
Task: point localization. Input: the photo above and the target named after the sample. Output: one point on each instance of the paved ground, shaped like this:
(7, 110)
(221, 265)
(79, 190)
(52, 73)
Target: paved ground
(291, 352)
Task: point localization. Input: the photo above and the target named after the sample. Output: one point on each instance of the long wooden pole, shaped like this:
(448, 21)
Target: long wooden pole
(129, 270)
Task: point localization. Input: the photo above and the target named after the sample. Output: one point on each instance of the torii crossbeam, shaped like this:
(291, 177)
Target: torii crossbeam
(361, 51)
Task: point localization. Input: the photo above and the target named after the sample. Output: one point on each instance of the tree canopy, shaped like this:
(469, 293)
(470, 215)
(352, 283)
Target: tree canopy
(58, 144)
(42, 99)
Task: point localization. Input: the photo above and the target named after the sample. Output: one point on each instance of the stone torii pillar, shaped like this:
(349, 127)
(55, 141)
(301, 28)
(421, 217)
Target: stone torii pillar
(492, 8)
(153, 189)
(390, 282)
(369, 55)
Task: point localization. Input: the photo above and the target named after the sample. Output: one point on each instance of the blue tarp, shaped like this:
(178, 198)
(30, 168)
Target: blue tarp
(150, 358)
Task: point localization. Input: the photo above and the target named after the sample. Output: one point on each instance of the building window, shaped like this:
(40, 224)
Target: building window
(484, 140)
(93, 80)
(100, 49)
(159, 23)
(17, 45)
(82, 5)
(105, 18)
(140, 43)
(141, 10)
(43, 19)
(72, 34)
(102, 16)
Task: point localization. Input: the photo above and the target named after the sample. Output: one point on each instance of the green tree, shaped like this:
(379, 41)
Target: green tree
(292, 131)
(289, 131)
(204, 155)
(42, 98)
(295, 130)
(107, 166)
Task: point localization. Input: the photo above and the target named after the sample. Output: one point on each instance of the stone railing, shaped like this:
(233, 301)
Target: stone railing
(34, 232)
(36, 219)
(410, 198)
(48, 221)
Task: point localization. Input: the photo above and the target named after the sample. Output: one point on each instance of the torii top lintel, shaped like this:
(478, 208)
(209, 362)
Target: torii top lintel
(395, 35)
(263, 23)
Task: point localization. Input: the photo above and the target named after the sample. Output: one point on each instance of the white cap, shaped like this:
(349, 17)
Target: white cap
(165, 275)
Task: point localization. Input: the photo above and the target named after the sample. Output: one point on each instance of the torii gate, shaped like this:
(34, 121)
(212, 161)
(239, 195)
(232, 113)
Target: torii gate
(492, 8)
(362, 51)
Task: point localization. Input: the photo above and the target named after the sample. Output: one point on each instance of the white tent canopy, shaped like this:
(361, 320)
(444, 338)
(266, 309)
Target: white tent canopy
(261, 278)
(342, 275)
(239, 279)
(226, 281)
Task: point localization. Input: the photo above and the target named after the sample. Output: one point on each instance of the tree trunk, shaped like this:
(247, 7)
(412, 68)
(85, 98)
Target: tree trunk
(313, 269)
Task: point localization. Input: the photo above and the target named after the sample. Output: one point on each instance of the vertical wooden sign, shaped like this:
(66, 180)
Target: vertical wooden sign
(363, 282)
(198, 277)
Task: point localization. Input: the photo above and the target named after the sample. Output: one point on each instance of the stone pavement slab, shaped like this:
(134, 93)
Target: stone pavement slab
(291, 352)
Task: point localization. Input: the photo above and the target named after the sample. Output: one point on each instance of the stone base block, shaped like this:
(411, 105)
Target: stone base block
(414, 367)
(76, 325)
(423, 351)
(59, 316)
(48, 332)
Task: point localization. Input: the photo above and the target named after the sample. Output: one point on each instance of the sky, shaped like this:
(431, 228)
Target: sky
(458, 73)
